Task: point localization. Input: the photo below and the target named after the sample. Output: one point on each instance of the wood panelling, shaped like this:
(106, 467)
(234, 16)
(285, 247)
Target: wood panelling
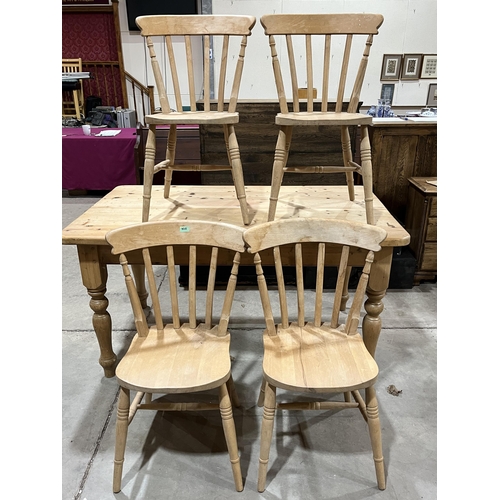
(401, 151)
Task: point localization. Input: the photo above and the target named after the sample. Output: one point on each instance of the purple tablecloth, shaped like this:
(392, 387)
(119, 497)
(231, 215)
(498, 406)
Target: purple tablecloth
(97, 163)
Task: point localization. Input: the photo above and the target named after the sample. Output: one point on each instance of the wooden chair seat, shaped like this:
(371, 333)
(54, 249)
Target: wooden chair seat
(157, 363)
(192, 118)
(322, 118)
(317, 359)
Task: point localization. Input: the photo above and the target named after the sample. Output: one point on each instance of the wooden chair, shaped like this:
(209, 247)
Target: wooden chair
(327, 33)
(324, 354)
(195, 29)
(177, 355)
(72, 91)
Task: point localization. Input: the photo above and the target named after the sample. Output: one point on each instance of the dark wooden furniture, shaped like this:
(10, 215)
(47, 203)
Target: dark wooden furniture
(401, 150)
(187, 151)
(257, 134)
(421, 223)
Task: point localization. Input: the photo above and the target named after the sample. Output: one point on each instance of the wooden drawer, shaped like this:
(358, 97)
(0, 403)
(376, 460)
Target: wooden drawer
(429, 257)
(431, 234)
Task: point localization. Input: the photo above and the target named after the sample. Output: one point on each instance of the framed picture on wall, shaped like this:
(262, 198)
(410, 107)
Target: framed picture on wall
(429, 66)
(411, 66)
(432, 95)
(387, 92)
(391, 66)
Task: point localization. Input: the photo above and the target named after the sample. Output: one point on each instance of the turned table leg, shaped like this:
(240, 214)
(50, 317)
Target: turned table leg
(94, 277)
(377, 287)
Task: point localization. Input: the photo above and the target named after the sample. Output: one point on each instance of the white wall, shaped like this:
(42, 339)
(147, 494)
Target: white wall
(410, 26)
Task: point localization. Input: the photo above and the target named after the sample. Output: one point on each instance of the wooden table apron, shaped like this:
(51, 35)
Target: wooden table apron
(123, 206)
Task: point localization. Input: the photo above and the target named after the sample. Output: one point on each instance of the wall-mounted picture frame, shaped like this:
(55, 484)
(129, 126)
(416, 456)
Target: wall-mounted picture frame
(432, 95)
(387, 92)
(429, 66)
(391, 67)
(412, 63)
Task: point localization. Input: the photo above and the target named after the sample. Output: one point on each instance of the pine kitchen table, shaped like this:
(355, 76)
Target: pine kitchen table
(123, 206)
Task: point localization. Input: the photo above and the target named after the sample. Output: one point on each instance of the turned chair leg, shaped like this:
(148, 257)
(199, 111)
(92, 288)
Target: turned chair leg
(235, 400)
(280, 159)
(266, 435)
(237, 171)
(170, 157)
(121, 437)
(366, 166)
(226, 413)
(375, 435)
(149, 164)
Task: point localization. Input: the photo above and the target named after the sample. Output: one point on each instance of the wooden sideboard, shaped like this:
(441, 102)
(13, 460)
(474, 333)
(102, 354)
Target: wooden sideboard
(421, 224)
(257, 134)
(400, 150)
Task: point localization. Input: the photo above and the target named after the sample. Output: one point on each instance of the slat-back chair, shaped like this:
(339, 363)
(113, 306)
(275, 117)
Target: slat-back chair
(72, 91)
(323, 353)
(336, 52)
(177, 354)
(191, 28)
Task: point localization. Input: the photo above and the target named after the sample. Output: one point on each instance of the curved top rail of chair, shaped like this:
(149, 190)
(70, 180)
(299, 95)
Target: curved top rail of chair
(285, 231)
(321, 24)
(172, 232)
(195, 25)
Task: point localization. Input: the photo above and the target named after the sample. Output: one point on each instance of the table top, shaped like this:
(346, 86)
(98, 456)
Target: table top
(72, 133)
(123, 207)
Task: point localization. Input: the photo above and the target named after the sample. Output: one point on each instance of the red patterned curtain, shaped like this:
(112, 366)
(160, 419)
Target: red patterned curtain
(91, 36)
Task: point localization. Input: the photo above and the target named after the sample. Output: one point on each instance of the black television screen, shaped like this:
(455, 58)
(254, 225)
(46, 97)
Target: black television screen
(136, 8)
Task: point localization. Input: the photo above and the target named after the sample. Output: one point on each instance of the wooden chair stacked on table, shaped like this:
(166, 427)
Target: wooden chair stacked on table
(301, 32)
(194, 28)
(172, 356)
(316, 356)
(72, 91)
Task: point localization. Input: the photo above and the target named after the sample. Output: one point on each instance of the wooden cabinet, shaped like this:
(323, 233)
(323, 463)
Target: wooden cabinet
(401, 150)
(421, 223)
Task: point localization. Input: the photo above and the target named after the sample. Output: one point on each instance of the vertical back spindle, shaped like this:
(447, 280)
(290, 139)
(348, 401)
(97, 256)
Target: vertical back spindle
(209, 304)
(293, 74)
(278, 76)
(173, 72)
(310, 82)
(339, 287)
(222, 73)
(343, 74)
(326, 73)
(281, 287)
(153, 289)
(190, 71)
(237, 75)
(358, 83)
(320, 273)
(160, 84)
(300, 284)
(228, 297)
(264, 296)
(173, 287)
(192, 286)
(206, 72)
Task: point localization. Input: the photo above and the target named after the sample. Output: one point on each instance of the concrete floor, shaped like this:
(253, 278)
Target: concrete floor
(314, 456)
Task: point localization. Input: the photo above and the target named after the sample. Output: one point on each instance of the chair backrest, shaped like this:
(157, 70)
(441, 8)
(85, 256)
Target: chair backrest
(192, 28)
(152, 242)
(307, 240)
(71, 65)
(345, 51)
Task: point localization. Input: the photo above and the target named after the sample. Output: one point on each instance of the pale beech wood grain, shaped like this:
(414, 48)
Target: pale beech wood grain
(171, 354)
(299, 30)
(203, 27)
(309, 355)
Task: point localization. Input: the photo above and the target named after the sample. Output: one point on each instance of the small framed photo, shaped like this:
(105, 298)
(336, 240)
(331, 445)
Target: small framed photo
(432, 95)
(387, 92)
(429, 66)
(412, 64)
(391, 66)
